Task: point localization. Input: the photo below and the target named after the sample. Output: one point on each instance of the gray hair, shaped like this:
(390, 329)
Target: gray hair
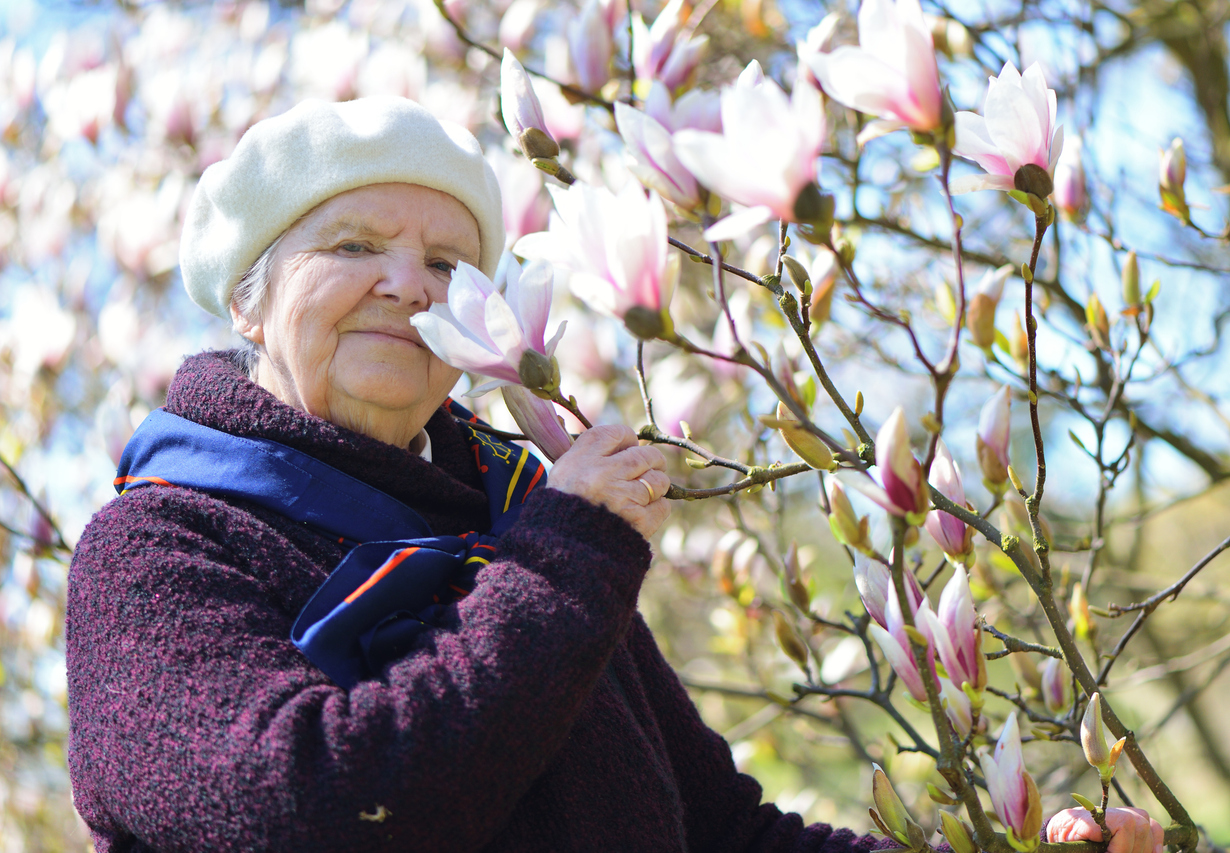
(249, 298)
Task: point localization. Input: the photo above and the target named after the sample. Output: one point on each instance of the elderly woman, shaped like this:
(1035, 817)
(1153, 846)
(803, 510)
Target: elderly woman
(297, 629)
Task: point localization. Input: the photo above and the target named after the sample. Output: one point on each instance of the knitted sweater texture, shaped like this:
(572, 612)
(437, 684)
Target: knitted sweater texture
(539, 717)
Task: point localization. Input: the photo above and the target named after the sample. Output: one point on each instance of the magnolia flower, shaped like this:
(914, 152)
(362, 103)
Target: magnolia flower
(657, 51)
(1012, 789)
(817, 41)
(891, 74)
(591, 46)
(980, 314)
(1054, 685)
(1016, 139)
(614, 246)
(958, 707)
(525, 206)
(994, 431)
(894, 642)
(522, 112)
(697, 108)
(948, 531)
(652, 159)
(904, 491)
(955, 631)
(486, 332)
(874, 582)
(1071, 196)
(765, 157)
(537, 419)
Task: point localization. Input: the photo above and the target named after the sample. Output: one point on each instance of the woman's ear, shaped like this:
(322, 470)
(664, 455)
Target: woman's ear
(247, 327)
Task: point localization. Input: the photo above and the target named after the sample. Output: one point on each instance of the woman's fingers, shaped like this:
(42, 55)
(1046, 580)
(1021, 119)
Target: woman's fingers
(1132, 830)
(608, 467)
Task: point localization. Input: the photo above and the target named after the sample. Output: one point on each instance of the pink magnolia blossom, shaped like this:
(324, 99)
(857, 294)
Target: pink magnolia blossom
(525, 205)
(518, 103)
(874, 582)
(994, 433)
(891, 74)
(1012, 789)
(1055, 685)
(651, 157)
(658, 52)
(1071, 195)
(517, 24)
(1016, 131)
(537, 420)
(948, 531)
(899, 471)
(955, 631)
(614, 246)
(488, 332)
(521, 110)
(591, 46)
(697, 108)
(957, 706)
(895, 644)
(818, 40)
(765, 156)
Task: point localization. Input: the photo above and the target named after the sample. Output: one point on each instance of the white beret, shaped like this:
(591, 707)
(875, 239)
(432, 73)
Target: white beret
(286, 165)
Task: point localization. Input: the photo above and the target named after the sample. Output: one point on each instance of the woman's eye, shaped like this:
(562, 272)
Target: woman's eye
(352, 248)
(443, 266)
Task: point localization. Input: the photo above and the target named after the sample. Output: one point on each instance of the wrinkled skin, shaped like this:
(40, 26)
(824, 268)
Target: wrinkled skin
(1132, 830)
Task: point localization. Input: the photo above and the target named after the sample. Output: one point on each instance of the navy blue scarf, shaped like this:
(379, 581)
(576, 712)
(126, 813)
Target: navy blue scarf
(396, 579)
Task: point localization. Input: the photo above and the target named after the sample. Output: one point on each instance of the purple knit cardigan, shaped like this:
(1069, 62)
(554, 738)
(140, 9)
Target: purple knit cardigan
(540, 717)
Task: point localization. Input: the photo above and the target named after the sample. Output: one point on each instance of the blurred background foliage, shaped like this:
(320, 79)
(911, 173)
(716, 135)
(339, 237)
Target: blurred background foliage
(109, 113)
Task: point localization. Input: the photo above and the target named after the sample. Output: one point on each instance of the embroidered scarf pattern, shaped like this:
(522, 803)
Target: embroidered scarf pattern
(397, 576)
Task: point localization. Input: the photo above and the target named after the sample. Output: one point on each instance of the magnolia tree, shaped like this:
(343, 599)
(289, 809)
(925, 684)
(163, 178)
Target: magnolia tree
(829, 263)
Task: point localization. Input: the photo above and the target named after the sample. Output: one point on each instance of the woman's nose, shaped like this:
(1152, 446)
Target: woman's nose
(406, 282)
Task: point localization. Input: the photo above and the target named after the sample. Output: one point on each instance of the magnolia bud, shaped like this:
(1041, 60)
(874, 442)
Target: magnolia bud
(847, 527)
(1018, 343)
(890, 814)
(958, 834)
(796, 588)
(1131, 280)
(980, 319)
(1096, 321)
(1078, 609)
(789, 640)
(1054, 685)
(798, 275)
(1093, 739)
(809, 447)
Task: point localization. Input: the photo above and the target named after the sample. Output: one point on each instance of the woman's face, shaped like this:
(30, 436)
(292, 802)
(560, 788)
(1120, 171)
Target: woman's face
(336, 322)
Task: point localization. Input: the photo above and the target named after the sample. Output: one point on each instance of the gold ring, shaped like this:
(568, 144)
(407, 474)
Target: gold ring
(648, 488)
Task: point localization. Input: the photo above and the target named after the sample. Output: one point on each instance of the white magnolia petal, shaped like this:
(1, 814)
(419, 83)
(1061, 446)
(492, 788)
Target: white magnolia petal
(738, 224)
(480, 390)
(458, 351)
(531, 301)
(972, 183)
(1012, 124)
(504, 330)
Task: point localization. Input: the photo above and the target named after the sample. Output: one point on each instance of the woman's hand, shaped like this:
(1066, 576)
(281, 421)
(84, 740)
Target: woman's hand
(1132, 830)
(606, 466)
